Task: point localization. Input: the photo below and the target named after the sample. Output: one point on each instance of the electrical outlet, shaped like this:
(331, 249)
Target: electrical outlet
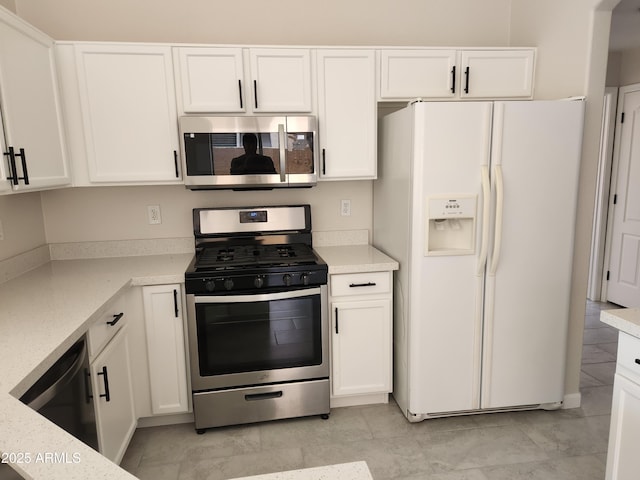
(153, 212)
(1, 231)
(345, 208)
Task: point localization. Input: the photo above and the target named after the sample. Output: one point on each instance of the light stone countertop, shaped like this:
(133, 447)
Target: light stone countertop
(355, 259)
(341, 471)
(43, 312)
(624, 319)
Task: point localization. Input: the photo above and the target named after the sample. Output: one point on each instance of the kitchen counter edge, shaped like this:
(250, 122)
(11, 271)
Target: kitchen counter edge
(355, 259)
(626, 320)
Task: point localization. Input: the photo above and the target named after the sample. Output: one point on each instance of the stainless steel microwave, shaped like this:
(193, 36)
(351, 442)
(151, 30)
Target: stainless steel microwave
(248, 152)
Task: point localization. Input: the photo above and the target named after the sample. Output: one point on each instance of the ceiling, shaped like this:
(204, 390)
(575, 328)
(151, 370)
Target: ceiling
(625, 26)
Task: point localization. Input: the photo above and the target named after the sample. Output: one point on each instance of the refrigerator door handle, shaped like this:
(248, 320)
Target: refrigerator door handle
(486, 209)
(497, 237)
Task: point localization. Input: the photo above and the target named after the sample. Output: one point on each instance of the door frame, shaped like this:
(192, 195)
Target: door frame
(614, 175)
(597, 273)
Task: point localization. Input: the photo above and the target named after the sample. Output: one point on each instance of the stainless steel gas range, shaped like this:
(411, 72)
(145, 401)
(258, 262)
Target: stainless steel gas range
(257, 317)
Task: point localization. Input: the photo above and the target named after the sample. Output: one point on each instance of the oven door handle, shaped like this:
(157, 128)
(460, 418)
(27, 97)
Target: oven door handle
(256, 298)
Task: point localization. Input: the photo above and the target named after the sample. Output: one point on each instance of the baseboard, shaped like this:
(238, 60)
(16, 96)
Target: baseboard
(163, 420)
(572, 400)
(354, 400)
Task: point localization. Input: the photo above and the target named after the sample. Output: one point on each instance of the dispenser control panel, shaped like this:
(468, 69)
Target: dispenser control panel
(461, 207)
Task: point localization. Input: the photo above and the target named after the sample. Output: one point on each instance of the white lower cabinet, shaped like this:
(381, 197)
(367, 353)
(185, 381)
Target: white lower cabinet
(113, 397)
(360, 342)
(623, 462)
(166, 349)
(361, 338)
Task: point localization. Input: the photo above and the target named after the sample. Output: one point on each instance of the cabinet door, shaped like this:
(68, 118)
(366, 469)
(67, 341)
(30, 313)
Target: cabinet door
(347, 114)
(30, 105)
(280, 80)
(361, 347)
(496, 73)
(113, 397)
(623, 462)
(129, 114)
(409, 74)
(210, 79)
(166, 349)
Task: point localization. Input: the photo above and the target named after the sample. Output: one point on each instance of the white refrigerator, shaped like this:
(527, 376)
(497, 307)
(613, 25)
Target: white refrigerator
(477, 202)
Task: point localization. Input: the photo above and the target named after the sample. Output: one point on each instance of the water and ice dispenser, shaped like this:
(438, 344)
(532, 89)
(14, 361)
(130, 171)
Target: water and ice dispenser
(451, 225)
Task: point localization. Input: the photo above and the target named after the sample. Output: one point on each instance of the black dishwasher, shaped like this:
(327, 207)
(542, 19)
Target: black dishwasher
(63, 395)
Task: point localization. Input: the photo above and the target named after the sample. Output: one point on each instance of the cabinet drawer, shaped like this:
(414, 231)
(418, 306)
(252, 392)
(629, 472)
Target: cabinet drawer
(629, 356)
(104, 329)
(360, 283)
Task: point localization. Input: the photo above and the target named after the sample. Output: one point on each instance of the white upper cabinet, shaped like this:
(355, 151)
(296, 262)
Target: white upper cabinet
(432, 73)
(281, 79)
(420, 73)
(347, 114)
(210, 79)
(34, 155)
(236, 80)
(129, 117)
(496, 73)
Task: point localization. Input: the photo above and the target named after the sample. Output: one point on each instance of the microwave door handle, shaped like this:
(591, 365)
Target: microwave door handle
(283, 152)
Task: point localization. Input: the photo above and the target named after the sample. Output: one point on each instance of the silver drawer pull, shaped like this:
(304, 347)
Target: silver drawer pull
(368, 284)
(263, 396)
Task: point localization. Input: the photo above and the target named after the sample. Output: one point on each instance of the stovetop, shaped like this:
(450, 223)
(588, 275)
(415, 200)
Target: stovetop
(241, 250)
(215, 258)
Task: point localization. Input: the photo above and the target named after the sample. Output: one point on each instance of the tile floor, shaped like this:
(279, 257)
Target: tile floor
(535, 445)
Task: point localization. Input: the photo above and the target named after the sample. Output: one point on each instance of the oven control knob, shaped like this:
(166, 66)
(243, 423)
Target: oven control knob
(228, 284)
(258, 282)
(286, 278)
(210, 286)
(304, 277)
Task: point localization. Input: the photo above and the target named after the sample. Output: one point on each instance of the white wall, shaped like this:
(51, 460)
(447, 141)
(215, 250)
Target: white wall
(22, 224)
(120, 213)
(629, 67)
(331, 22)
(10, 4)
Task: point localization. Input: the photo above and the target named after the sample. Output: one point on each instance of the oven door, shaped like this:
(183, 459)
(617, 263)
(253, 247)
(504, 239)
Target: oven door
(258, 339)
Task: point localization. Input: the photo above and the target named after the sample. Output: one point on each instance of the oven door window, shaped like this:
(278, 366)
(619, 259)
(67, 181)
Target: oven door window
(262, 335)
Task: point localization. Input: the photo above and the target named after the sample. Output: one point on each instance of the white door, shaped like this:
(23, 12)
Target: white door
(347, 114)
(413, 73)
(113, 397)
(30, 104)
(210, 79)
(281, 80)
(128, 105)
(536, 150)
(165, 345)
(361, 347)
(623, 287)
(622, 457)
(451, 143)
(496, 73)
